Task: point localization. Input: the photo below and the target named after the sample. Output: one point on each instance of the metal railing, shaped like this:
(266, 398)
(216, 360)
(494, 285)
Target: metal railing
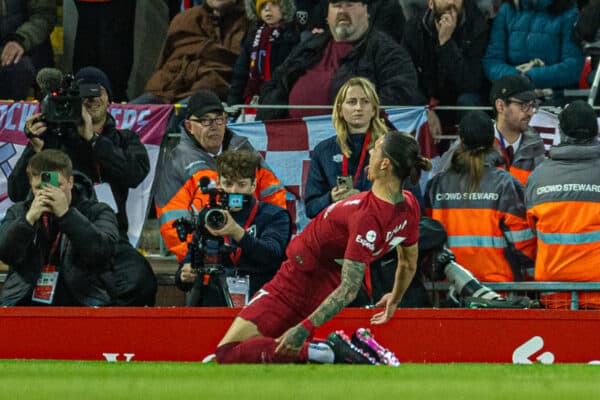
(539, 287)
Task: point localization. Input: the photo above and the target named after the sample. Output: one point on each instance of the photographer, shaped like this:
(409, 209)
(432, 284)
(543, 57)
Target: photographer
(258, 232)
(58, 244)
(108, 156)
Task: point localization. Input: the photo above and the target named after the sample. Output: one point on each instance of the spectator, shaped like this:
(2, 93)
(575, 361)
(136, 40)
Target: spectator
(180, 171)
(200, 50)
(521, 149)
(259, 232)
(104, 39)
(327, 60)
(482, 207)
(386, 16)
(60, 243)
(562, 198)
(535, 38)
(264, 49)
(25, 27)
(114, 158)
(447, 45)
(326, 264)
(343, 157)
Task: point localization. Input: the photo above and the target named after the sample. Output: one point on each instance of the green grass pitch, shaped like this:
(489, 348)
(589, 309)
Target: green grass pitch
(25, 379)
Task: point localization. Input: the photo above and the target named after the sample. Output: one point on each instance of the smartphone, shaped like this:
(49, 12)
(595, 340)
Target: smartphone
(50, 178)
(345, 181)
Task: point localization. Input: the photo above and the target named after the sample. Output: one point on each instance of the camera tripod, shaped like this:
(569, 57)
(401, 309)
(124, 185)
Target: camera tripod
(209, 290)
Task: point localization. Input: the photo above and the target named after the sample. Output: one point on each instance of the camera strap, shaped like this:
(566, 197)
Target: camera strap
(237, 253)
(361, 160)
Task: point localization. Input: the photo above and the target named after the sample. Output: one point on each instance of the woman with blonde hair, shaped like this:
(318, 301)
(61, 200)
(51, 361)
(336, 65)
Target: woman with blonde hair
(343, 157)
(337, 168)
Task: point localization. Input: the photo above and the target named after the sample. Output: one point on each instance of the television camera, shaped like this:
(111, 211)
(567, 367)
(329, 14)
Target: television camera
(62, 102)
(207, 250)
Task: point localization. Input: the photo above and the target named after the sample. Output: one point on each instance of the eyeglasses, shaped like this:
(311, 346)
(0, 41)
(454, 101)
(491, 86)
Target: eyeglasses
(209, 121)
(525, 106)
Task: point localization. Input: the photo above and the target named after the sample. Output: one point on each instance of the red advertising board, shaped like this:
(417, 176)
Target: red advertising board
(190, 334)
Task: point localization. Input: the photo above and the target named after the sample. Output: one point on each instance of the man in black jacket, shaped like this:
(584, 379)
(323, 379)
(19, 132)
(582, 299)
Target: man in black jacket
(317, 67)
(109, 156)
(59, 244)
(447, 45)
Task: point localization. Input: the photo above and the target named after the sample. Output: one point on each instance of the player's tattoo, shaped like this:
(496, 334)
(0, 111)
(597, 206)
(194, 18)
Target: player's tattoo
(296, 337)
(353, 273)
(396, 197)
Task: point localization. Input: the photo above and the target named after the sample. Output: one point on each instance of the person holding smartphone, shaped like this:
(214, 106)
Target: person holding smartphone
(337, 166)
(257, 233)
(59, 243)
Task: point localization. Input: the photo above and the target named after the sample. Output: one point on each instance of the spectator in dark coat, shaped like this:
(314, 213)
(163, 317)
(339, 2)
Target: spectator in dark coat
(272, 37)
(326, 60)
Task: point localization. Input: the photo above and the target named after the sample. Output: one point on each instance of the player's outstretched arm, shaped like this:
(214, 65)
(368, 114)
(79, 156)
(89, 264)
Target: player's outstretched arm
(405, 271)
(353, 273)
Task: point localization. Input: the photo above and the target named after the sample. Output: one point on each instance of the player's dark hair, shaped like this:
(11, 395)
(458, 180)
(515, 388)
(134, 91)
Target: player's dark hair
(238, 164)
(404, 153)
(50, 160)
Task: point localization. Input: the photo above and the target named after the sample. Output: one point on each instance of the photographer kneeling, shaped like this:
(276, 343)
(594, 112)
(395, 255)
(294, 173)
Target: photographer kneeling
(115, 159)
(258, 234)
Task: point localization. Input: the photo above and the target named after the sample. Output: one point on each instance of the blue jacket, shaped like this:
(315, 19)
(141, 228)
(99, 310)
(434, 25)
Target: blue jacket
(326, 166)
(521, 34)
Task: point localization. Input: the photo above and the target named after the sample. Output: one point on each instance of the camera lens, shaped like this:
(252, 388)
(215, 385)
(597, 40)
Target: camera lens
(215, 218)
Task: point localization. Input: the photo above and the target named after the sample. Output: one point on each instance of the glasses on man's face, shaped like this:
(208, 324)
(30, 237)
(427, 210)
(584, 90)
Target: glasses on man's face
(525, 106)
(209, 121)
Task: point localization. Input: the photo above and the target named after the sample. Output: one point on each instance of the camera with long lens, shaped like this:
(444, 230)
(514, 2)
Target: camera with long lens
(206, 250)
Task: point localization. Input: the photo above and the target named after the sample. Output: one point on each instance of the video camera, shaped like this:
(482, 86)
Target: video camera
(212, 214)
(206, 250)
(63, 100)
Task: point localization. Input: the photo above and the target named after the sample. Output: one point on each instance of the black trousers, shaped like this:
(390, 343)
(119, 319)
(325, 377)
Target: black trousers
(104, 39)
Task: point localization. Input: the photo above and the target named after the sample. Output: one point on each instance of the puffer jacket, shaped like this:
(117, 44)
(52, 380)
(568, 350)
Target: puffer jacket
(531, 31)
(563, 208)
(86, 249)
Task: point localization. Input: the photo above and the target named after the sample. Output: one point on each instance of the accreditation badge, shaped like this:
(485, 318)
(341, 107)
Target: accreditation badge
(46, 285)
(239, 287)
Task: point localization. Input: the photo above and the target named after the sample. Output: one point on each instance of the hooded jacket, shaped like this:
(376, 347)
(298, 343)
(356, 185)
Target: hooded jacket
(487, 230)
(89, 236)
(563, 209)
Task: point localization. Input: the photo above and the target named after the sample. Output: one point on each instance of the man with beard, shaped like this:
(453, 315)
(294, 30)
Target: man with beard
(520, 149)
(111, 157)
(326, 60)
(447, 45)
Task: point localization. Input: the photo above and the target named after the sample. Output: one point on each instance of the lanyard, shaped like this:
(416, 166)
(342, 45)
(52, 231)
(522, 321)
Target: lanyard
(56, 242)
(361, 160)
(237, 253)
(504, 151)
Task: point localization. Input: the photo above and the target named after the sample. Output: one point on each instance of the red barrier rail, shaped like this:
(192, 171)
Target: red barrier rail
(190, 334)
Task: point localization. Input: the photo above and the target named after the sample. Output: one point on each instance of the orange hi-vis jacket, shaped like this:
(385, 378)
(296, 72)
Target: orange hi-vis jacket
(563, 208)
(528, 156)
(177, 191)
(487, 230)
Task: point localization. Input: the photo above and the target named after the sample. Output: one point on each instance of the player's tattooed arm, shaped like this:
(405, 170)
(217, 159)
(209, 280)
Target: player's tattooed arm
(352, 276)
(353, 273)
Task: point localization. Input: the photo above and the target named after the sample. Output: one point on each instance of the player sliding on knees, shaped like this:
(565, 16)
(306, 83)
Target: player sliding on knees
(325, 268)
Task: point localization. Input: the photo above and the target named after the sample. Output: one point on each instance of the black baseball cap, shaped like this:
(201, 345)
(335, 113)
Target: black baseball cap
(512, 86)
(203, 102)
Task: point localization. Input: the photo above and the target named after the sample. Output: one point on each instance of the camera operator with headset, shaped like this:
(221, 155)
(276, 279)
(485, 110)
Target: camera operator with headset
(257, 232)
(114, 158)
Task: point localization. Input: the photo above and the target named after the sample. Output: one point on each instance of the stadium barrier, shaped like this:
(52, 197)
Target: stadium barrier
(191, 334)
